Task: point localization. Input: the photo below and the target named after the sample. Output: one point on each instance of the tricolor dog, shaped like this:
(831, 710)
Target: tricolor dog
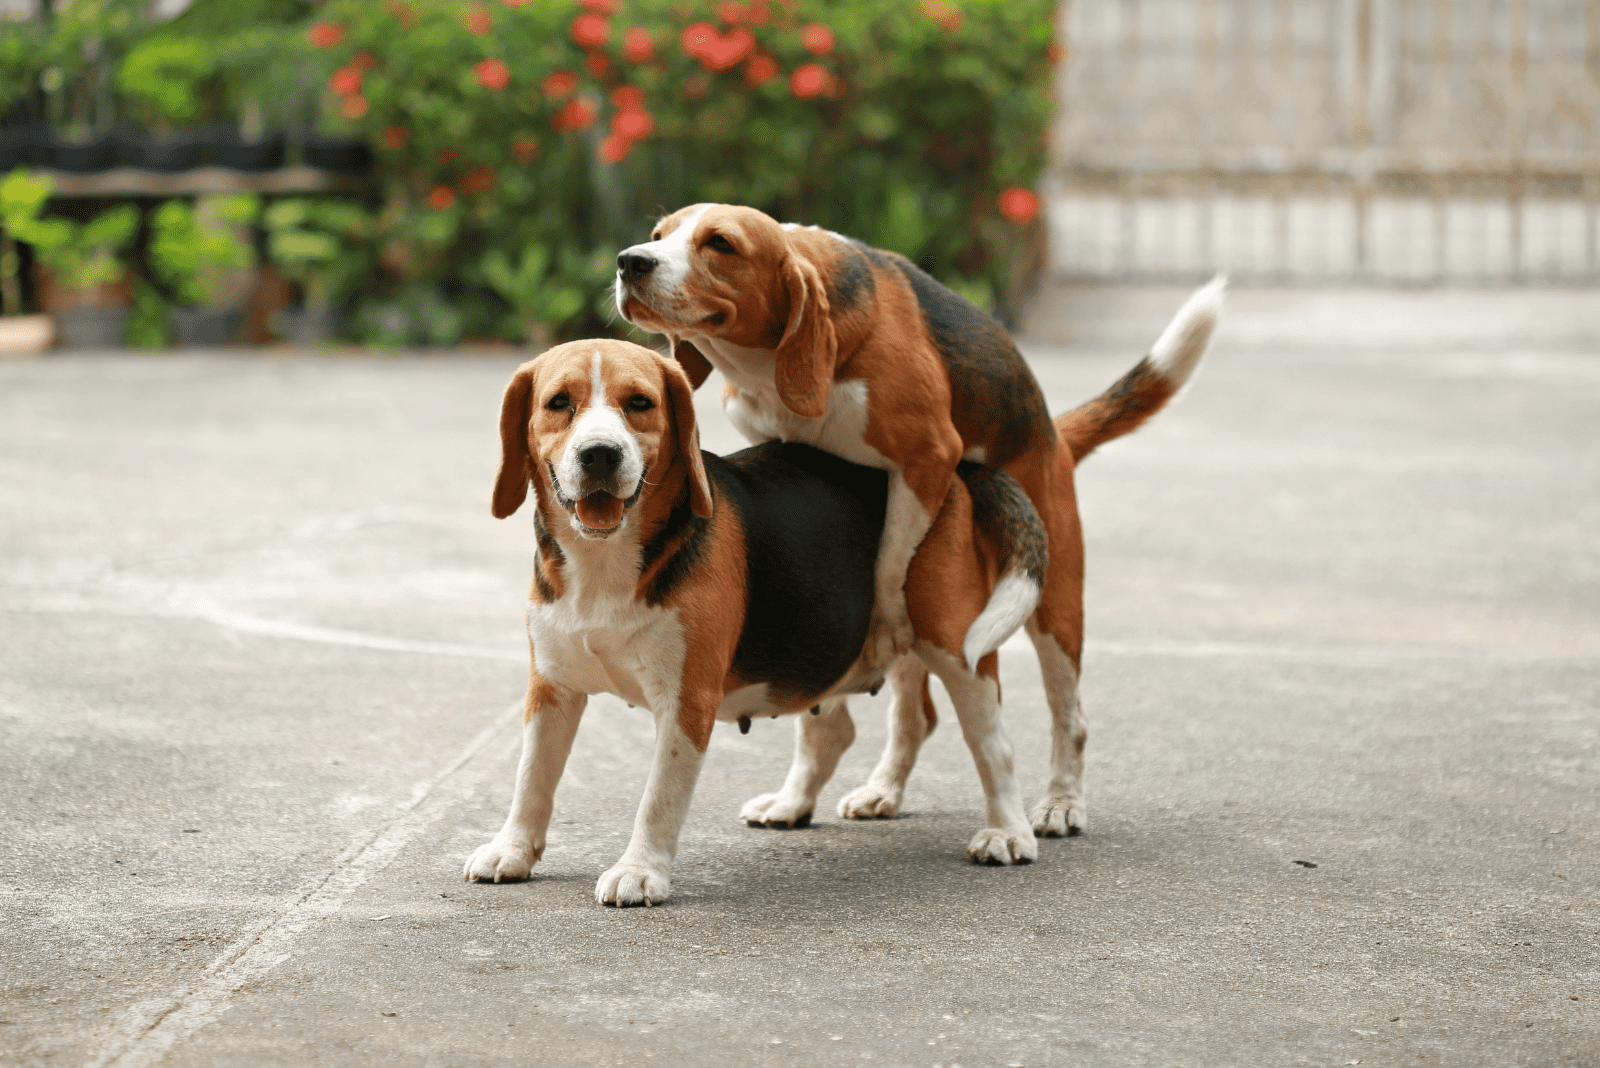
(827, 341)
(710, 589)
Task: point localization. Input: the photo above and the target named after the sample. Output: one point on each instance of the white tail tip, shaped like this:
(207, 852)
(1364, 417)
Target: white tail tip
(1188, 335)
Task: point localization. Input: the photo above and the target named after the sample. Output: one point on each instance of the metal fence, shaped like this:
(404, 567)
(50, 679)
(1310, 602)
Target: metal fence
(1396, 141)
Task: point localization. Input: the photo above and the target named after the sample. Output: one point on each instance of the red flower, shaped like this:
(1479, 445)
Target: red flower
(817, 38)
(478, 181)
(605, 7)
(760, 13)
(394, 137)
(614, 149)
(1019, 204)
(354, 107)
(717, 52)
(557, 85)
(1055, 52)
(597, 64)
(809, 80)
(516, 3)
(732, 12)
(363, 61)
(761, 69)
(628, 98)
(633, 125)
(591, 31)
(525, 146)
(478, 20)
(578, 114)
(492, 74)
(325, 34)
(442, 196)
(345, 81)
(946, 14)
(638, 45)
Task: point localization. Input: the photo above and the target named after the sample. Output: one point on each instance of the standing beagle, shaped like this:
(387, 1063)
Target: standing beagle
(825, 340)
(710, 588)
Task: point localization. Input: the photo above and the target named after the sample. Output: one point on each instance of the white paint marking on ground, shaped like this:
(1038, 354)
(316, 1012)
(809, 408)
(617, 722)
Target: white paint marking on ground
(151, 1029)
(1018, 643)
(272, 628)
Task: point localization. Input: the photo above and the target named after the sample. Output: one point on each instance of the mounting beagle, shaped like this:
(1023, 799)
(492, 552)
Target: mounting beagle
(825, 340)
(710, 588)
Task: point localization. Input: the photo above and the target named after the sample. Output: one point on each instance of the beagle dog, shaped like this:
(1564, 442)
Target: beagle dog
(825, 340)
(711, 589)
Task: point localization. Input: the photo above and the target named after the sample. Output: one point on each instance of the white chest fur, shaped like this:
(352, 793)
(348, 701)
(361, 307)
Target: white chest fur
(758, 413)
(597, 637)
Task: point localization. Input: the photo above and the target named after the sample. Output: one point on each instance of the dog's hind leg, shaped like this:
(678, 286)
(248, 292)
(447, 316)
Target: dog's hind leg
(911, 719)
(819, 742)
(1061, 812)
(1007, 838)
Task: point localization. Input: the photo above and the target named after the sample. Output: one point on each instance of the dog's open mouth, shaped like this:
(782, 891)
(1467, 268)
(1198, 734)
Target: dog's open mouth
(600, 512)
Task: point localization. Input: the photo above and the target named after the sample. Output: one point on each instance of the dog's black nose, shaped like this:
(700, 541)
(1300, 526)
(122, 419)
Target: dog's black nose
(598, 461)
(635, 264)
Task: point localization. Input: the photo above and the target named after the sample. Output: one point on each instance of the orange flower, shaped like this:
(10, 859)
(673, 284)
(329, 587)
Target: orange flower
(597, 64)
(946, 14)
(817, 38)
(559, 84)
(394, 137)
(633, 125)
(325, 34)
(1019, 204)
(363, 61)
(732, 12)
(809, 80)
(442, 196)
(478, 181)
(761, 69)
(345, 81)
(492, 74)
(605, 7)
(525, 146)
(614, 149)
(478, 20)
(591, 31)
(516, 3)
(578, 114)
(638, 45)
(354, 107)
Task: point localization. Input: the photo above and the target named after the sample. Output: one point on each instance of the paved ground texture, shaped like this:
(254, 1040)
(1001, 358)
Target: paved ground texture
(261, 650)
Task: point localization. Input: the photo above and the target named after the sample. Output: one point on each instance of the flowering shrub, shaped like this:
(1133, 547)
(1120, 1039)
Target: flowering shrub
(520, 143)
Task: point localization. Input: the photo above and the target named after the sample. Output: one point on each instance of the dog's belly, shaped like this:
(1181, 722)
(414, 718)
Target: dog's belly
(633, 651)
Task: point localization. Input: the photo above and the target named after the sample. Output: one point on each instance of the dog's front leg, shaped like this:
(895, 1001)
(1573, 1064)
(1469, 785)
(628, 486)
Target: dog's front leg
(549, 723)
(644, 874)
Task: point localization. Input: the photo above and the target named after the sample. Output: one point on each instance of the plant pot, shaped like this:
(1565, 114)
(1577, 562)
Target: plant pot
(21, 335)
(92, 328)
(308, 326)
(83, 157)
(204, 326)
(343, 154)
(168, 153)
(263, 155)
(23, 146)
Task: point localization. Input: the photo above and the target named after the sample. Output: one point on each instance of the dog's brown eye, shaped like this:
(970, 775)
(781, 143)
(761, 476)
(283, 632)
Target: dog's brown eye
(720, 243)
(559, 403)
(640, 403)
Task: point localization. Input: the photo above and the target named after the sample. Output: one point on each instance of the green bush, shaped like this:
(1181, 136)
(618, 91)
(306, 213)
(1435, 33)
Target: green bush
(518, 140)
(192, 248)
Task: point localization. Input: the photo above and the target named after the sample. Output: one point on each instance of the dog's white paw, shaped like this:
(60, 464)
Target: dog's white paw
(888, 638)
(776, 810)
(994, 846)
(1059, 817)
(500, 861)
(870, 803)
(632, 884)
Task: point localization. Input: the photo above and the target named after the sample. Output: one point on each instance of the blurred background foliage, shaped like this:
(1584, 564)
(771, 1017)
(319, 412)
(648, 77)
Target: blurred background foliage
(518, 144)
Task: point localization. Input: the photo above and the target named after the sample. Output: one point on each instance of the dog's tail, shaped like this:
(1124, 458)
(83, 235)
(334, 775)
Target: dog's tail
(1006, 519)
(1154, 380)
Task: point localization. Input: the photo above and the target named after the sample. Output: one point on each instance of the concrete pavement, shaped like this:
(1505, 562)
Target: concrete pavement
(261, 650)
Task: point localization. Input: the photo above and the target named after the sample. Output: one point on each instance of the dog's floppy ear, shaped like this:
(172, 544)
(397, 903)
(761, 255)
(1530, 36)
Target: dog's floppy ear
(516, 465)
(808, 353)
(696, 366)
(680, 398)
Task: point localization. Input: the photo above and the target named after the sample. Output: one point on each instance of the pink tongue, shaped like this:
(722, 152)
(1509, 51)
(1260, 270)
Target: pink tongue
(600, 511)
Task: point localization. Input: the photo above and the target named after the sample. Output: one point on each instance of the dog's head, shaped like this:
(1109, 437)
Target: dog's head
(736, 275)
(598, 426)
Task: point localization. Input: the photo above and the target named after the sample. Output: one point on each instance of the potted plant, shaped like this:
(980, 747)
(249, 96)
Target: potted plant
(535, 292)
(83, 277)
(22, 197)
(202, 255)
(322, 246)
(162, 77)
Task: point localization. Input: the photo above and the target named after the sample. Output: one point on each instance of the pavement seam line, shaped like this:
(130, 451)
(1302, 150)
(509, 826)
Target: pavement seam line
(149, 1037)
